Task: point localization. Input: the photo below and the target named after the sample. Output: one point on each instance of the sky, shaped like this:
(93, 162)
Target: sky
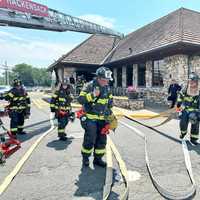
(41, 48)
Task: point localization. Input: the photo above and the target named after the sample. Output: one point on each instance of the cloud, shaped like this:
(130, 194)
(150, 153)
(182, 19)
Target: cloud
(98, 19)
(39, 53)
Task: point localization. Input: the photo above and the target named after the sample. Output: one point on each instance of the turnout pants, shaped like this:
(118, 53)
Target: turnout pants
(184, 121)
(94, 141)
(62, 123)
(16, 122)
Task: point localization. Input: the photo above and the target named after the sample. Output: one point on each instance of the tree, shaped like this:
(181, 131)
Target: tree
(24, 72)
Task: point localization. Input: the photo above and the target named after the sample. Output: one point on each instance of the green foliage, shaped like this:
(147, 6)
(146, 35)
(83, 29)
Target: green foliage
(31, 76)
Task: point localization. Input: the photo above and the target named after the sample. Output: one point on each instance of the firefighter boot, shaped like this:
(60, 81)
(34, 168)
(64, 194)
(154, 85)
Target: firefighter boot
(21, 133)
(193, 142)
(99, 162)
(86, 161)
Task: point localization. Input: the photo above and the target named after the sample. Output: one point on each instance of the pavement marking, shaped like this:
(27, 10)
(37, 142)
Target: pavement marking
(165, 192)
(123, 169)
(109, 173)
(21, 163)
(36, 103)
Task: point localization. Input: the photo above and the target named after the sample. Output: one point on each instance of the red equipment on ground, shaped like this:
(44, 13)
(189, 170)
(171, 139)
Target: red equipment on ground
(8, 144)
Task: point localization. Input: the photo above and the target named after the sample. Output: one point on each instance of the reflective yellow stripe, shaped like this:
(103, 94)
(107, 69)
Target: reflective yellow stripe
(18, 108)
(189, 99)
(61, 99)
(54, 95)
(20, 126)
(88, 151)
(14, 129)
(91, 116)
(11, 95)
(52, 105)
(190, 109)
(100, 151)
(102, 101)
(64, 108)
(194, 136)
(183, 132)
(83, 93)
(89, 97)
(61, 130)
(110, 96)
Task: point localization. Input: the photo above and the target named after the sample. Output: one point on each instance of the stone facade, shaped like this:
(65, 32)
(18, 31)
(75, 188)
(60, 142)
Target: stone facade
(129, 104)
(175, 67)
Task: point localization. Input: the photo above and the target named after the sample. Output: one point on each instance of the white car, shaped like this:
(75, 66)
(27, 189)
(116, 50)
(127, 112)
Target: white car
(4, 88)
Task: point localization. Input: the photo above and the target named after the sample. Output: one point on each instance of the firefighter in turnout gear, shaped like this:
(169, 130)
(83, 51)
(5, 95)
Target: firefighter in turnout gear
(61, 105)
(188, 106)
(96, 99)
(18, 108)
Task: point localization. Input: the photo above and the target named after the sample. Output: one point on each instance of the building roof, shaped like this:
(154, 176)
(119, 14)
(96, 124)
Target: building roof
(92, 51)
(180, 26)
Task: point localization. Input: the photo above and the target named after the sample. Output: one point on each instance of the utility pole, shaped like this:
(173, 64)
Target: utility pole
(6, 73)
(7, 69)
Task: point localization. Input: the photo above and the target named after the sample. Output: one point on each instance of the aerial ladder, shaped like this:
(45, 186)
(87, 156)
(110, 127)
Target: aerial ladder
(31, 15)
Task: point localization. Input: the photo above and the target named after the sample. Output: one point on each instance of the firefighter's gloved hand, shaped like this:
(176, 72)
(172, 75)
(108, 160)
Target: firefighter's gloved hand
(105, 129)
(62, 113)
(178, 109)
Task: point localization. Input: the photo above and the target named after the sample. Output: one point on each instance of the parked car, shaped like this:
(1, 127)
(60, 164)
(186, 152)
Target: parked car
(4, 88)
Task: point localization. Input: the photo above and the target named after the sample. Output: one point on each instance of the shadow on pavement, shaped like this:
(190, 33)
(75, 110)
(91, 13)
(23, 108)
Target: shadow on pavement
(33, 133)
(193, 148)
(59, 145)
(90, 183)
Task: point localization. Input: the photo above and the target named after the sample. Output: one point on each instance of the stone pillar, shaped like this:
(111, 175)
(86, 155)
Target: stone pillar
(115, 76)
(176, 68)
(124, 76)
(194, 63)
(60, 74)
(148, 74)
(135, 75)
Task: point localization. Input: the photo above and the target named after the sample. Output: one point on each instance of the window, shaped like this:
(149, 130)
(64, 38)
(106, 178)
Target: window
(141, 75)
(119, 77)
(157, 73)
(129, 75)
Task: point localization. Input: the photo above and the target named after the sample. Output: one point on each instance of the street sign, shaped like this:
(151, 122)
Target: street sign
(25, 6)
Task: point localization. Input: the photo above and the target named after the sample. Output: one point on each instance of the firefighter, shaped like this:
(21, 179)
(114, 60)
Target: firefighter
(188, 105)
(173, 91)
(96, 99)
(61, 106)
(18, 108)
(79, 84)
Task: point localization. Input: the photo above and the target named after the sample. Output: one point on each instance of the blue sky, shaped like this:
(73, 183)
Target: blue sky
(41, 48)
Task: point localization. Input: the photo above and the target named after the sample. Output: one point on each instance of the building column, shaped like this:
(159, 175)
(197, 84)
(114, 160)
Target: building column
(176, 68)
(124, 76)
(60, 72)
(135, 75)
(115, 76)
(148, 74)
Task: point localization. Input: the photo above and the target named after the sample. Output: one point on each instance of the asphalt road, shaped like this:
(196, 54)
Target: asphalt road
(54, 169)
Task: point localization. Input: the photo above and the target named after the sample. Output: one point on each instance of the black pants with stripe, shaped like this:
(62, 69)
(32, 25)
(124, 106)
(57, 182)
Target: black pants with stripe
(184, 121)
(16, 122)
(94, 141)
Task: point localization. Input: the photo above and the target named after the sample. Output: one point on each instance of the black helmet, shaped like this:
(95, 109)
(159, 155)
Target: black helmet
(17, 82)
(104, 72)
(193, 76)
